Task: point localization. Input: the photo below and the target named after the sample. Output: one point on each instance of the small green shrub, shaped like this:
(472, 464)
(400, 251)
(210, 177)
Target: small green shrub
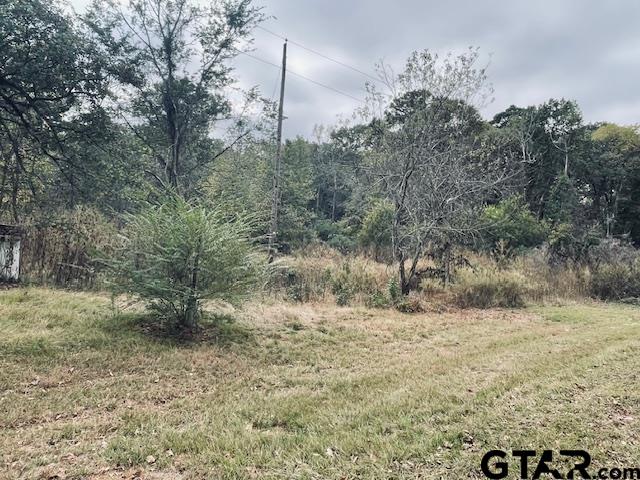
(489, 290)
(569, 244)
(395, 294)
(378, 300)
(341, 286)
(342, 243)
(343, 297)
(175, 255)
(376, 226)
(325, 229)
(299, 292)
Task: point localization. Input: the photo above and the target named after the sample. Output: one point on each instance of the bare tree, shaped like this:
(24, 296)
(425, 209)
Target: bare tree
(427, 163)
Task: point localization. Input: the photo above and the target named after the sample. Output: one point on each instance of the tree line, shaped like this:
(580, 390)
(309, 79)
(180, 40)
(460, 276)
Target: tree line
(125, 106)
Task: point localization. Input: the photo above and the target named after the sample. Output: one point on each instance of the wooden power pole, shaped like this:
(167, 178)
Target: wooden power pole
(275, 201)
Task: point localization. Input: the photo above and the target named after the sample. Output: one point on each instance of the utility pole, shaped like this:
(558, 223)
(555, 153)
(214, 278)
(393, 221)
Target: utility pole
(275, 201)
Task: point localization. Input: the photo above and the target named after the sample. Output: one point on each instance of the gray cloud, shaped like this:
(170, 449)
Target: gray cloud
(587, 50)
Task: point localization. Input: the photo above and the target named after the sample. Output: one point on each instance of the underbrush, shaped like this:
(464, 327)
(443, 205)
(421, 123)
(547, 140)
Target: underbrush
(490, 289)
(617, 281)
(322, 274)
(60, 250)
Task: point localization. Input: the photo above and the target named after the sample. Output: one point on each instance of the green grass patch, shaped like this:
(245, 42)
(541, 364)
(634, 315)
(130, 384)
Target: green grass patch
(301, 391)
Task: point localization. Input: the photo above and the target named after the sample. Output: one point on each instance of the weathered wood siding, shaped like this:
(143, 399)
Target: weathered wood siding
(9, 259)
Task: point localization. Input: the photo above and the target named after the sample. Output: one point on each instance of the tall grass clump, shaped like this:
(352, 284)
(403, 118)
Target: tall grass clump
(489, 289)
(319, 273)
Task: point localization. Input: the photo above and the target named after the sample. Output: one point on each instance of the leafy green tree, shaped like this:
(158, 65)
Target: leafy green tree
(609, 173)
(547, 140)
(170, 59)
(175, 255)
(241, 181)
(47, 69)
(335, 165)
(296, 217)
(52, 83)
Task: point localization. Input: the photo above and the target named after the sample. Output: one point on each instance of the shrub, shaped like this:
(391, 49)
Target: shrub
(378, 300)
(342, 285)
(376, 227)
(317, 272)
(488, 290)
(611, 250)
(394, 290)
(511, 224)
(568, 243)
(616, 281)
(175, 255)
(342, 243)
(299, 292)
(325, 229)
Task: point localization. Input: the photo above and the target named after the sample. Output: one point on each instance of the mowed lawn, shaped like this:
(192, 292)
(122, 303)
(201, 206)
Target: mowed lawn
(309, 391)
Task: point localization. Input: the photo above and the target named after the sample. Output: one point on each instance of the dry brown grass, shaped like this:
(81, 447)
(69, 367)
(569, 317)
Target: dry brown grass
(321, 274)
(308, 391)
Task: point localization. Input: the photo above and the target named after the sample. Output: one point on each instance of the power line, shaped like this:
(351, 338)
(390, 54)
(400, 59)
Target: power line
(315, 52)
(275, 86)
(335, 90)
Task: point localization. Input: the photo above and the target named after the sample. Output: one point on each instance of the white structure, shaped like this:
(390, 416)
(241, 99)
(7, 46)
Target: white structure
(10, 253)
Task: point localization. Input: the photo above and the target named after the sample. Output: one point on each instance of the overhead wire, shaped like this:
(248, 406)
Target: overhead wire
(328, 87)
(326, 57)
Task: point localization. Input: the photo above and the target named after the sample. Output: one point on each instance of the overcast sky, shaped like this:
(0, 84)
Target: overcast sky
(587, 50)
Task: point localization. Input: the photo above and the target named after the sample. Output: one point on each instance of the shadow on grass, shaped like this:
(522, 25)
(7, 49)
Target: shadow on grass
(214, 329)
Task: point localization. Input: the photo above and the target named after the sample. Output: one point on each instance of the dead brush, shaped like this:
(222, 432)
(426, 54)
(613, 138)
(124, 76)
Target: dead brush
(60, 250)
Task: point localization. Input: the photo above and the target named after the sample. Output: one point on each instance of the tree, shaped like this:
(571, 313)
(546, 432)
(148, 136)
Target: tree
(610, 172)
(564, 201)
(426, 163)
(336, 161)
(176, 254)
(563, 124)
(547, 140)
(296, 192)
(52, 83)
(169, 58)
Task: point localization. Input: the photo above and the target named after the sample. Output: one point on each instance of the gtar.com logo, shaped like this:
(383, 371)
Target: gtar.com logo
(528, 464)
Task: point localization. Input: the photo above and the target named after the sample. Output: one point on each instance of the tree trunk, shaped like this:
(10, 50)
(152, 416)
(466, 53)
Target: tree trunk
(447, 259)
(191, 312)
(335, 189)
(404, 282)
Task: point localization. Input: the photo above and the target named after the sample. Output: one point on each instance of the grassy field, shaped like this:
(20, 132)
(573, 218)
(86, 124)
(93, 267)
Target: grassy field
(309, 391)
